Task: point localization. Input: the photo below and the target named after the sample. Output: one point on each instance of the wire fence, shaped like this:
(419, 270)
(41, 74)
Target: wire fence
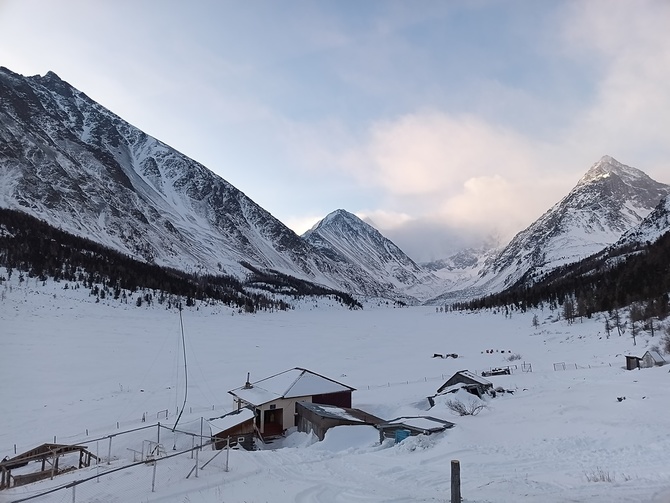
(139, 455)
(561, 366)
(89, 435)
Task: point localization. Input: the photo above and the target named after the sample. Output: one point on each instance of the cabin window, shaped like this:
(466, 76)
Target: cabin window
(273, 406)
(240, 440)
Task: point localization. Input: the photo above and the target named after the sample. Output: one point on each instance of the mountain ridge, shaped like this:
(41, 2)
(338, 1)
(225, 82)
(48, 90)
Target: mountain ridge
(71, 162)
(610, 199)
(78, 166)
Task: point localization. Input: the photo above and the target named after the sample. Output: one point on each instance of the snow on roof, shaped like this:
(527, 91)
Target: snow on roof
(331, 411)
(291, 383)
(474, 377)
(425, 423)
(231, 419)
(656, 356)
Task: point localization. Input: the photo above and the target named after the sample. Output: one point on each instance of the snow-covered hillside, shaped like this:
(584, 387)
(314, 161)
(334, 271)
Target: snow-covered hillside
(577, 428)
(74, 164)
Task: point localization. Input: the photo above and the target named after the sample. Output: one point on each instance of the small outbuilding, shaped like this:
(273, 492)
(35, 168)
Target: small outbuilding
(319, 418)
(235, 428)
(652, 359)
(469, 381)
(632, 362)
(401, 427)
(274, 398)
(48, 455)
(649, 359)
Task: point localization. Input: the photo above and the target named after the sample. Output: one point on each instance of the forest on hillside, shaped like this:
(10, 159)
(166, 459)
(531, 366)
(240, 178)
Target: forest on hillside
(29, 246)
(635, 276)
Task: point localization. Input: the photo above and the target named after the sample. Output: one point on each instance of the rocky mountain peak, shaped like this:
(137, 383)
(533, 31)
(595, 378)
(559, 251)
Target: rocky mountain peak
(608, 167)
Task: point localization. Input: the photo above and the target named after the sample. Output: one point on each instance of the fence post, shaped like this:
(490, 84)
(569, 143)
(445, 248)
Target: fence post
(227, 454)
(201, 425)
(153, 478)
(455, 481)
(109, 452)
(158, 436)
(74, 493)
(196, 462)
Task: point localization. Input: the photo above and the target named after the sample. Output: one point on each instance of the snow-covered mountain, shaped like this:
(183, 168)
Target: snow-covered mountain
(345, 237)
(609, 200)
(74, 164)
(464, 266)
(655, 225)
(67, 160)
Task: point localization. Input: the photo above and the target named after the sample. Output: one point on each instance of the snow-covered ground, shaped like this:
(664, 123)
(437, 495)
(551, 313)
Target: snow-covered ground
(76, 370)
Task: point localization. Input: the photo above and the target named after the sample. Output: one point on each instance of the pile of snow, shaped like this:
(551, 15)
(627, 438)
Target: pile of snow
(348, 438)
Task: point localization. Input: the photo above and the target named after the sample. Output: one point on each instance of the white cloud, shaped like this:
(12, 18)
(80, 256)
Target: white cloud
(630, 43)
(461, 171)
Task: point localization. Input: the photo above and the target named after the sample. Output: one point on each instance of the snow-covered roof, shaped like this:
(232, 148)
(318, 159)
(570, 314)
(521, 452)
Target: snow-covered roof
(656, 356)
(231, 419)
(423, 423)
(331, 411)
(334, 412)
(293, 383)
(475, 377)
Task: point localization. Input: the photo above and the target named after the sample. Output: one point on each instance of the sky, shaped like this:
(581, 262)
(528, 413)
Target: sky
(442, 123)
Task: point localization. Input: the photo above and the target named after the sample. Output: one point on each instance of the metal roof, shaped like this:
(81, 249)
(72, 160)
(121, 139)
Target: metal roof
(293, 383)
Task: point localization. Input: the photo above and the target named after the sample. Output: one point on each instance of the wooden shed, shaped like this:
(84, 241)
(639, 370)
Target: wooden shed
(46, 454)
(469, 381)
(319, 418)
(648, 360)
(632, 362)
(415, 425)
(274, 398)
(235, 428)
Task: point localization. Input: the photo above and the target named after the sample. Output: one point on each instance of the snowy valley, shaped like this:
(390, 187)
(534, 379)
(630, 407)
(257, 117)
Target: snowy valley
(578, 427)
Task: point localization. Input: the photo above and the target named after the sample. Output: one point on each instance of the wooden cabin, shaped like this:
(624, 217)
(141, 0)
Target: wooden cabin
(273, 399)
(648, 360)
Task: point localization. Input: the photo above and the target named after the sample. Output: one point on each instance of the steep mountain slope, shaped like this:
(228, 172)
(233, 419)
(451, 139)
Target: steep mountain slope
(69, 161)
(344, 237)
(609, 200)
(655, 225)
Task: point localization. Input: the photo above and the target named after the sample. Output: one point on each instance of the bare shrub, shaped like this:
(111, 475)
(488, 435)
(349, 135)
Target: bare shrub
(472, 408)
(599, 475)
(514, 357)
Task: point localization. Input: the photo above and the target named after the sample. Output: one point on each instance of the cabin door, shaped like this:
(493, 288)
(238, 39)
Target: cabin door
(273, 421)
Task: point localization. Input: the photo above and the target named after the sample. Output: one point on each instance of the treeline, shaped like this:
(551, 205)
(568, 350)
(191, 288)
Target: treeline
(288, 285)
(29, 245)
(604, 282)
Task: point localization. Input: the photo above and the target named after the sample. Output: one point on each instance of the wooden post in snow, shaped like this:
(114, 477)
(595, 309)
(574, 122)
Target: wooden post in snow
(455, 481)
